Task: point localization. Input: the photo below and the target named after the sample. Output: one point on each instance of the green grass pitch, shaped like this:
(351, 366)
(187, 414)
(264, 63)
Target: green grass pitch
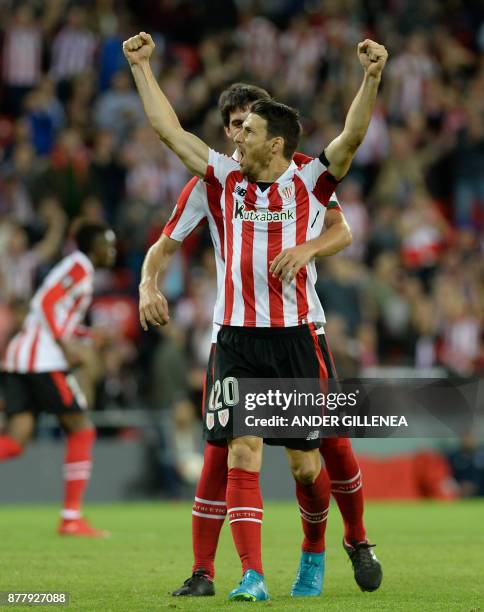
(432, 555)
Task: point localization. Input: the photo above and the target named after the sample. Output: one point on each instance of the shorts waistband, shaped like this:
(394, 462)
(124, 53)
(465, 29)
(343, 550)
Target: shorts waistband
(296, 330)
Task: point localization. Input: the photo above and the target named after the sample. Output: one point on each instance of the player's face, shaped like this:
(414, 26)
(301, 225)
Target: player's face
(106, 249)
(254, 146)
(237, 118)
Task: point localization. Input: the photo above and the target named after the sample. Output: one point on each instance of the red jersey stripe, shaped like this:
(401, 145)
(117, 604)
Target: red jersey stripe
(324, 188)
(300, 159)
(33, 348)
(302, 220)
(55, 293)
(247, 259)
(274, 247)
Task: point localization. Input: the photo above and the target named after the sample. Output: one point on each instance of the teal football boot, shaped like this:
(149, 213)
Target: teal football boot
(310, 575)
(252, 587)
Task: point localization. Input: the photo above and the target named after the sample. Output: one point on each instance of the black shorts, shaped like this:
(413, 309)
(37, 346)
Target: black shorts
(262, 352)
(53, 392)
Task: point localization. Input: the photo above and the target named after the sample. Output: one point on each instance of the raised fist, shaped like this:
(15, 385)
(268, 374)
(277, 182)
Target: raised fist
(372, 56)
(138, 48)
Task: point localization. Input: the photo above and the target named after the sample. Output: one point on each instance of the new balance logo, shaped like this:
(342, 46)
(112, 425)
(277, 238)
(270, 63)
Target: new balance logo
(241, 191)
(242, 214)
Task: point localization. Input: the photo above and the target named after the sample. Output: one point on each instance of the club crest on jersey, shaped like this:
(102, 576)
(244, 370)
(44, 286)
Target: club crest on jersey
(210, 420)
(241, 213)
(223, 417)
(288, 192)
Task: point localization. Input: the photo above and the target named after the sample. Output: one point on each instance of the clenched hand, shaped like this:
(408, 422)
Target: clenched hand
(153, 307)
(138, 48)
(372, 56)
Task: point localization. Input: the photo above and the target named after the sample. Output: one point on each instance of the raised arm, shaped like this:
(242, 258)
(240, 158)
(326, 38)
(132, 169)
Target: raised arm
(153, 307)
(192, 151)
(341, 150)
(56, 219)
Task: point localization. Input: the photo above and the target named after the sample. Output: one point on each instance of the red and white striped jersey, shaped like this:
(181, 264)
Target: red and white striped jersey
(56, 311)
(73, 52)
(200, 201)
(258, 225)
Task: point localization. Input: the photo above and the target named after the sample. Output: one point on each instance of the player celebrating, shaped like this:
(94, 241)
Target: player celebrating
(198, 203)
(38, 361)
(268, 323)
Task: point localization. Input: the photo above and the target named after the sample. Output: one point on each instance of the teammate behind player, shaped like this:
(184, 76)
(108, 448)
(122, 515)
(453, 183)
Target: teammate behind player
(268, 327)
(38, 366)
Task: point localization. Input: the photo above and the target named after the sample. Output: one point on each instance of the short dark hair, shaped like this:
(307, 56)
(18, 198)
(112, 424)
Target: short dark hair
(86, 234)
(239, 95)
(282, 121)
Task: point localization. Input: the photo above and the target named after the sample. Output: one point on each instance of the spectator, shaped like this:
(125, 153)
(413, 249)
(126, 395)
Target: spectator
(22, 55)
(20, 262)
(73, 48)
(107, 173)
(339, 290)
(356, 214)
(45, 115)
(409, 74)
(469, 183)
(119, 109)
(467, 464)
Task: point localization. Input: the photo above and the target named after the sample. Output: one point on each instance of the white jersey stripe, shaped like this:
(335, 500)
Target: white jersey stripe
(289, 289)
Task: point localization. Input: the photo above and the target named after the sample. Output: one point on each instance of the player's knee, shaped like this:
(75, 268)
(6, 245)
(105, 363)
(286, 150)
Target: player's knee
(244, 454)
(305, 473)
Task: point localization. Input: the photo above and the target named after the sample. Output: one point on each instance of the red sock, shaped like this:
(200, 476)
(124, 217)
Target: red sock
(313, 502)
(9, 448)
(346, 485)
(77, 470)
(209, 508)
(244, 506)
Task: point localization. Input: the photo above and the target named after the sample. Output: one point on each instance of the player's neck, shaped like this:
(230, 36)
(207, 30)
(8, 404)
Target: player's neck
(92, 259)
(273, 171)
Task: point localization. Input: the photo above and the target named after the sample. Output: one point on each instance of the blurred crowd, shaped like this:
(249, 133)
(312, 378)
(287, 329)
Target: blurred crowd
(74, 143)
